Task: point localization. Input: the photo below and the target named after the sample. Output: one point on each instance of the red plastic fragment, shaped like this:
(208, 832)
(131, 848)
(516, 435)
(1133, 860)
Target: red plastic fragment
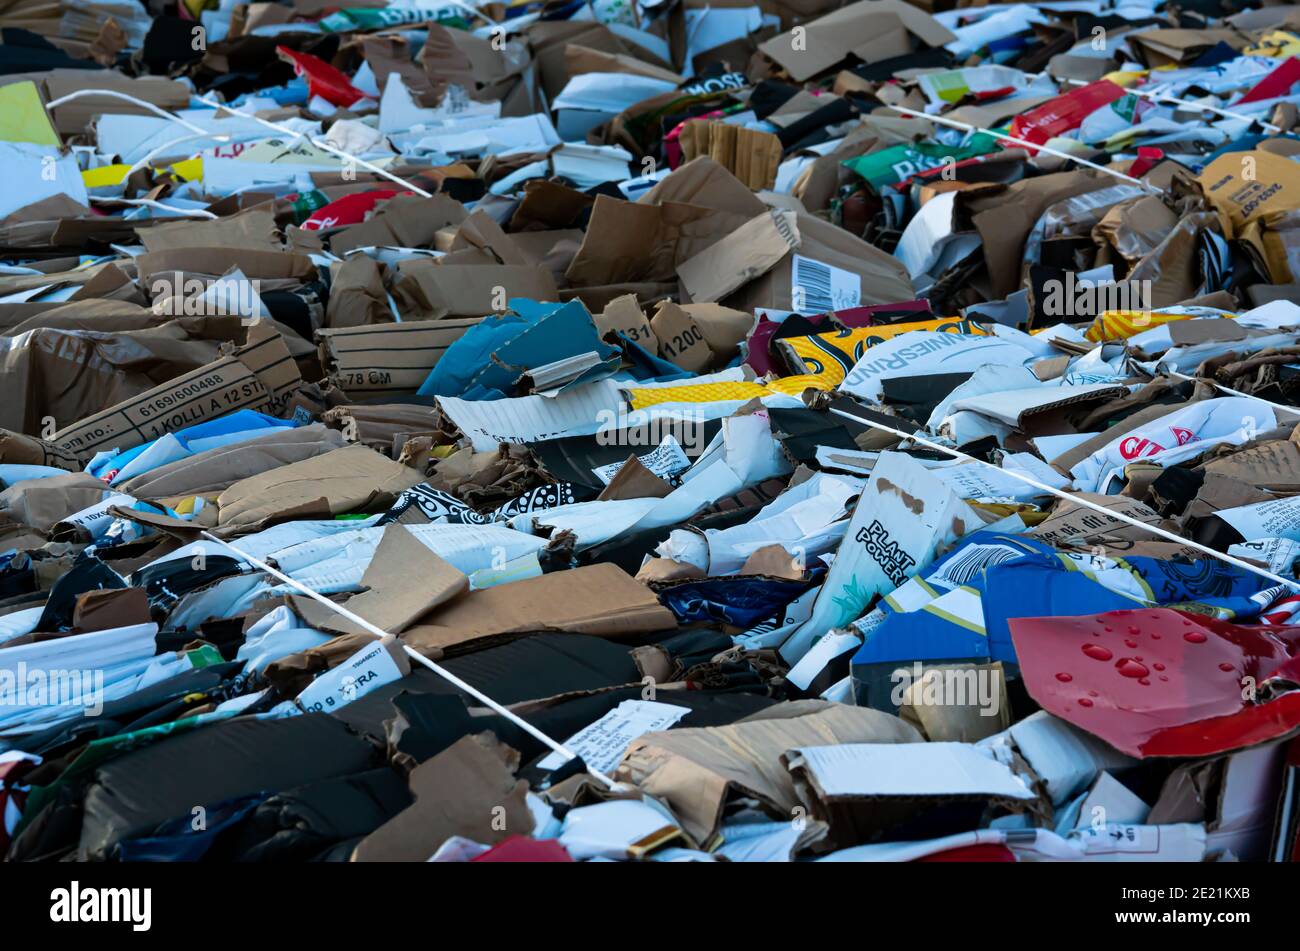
(1060, 115)
(984, 852)
(348, 210)
(323, 79)
(522, 848)
(1192, 686)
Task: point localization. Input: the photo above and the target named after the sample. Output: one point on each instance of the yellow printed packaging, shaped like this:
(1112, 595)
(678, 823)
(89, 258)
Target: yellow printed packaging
(827, 357)
(642, 397)
(107, 176)
(1277, 43)
(1122, 324)
(1125, 79)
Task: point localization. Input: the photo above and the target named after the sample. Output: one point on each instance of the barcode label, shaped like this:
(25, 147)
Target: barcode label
(821, 287)
(969, 563)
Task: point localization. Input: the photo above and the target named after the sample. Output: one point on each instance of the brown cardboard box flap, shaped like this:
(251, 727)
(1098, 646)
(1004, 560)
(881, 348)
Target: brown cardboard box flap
(260, 375)
(469, 790)
(880, 277)
(632, 242)
(253, 228)
(387, 359)
(427, 290)
(680, 339)
(705, 183)
(694, 770)
(723, 327)
(1071, 522)
(579, 59)
(599, 599)
(403, 581)
(872, 30)
(253, 263)
(753, 156)
(624, 314)
(346, 479)
(749, 252)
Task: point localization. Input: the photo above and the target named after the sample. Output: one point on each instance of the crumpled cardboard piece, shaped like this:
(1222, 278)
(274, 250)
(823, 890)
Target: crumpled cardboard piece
(358, 297)
(253, 263)
(1070, 522)
(1272, 466)
(747, 253)
(260, 375)
(579, 59)
(831, 270)
(387, 54)
(73, 118)
(42, 503)
(427, 290)
(108, 608)
(210, 472)
(634, 481)
(624, 315)
(404, 221)
(600, 600)
(380, 425)
(628, 241)
(680, 339)
(749, 154)
(253, 228)
(694, 771)
(1172, 265)
(404, 581)
(948, 720)
(705, 183)
(864, 792)
(1251, 192)
(409, 350)
(1173, 47)
(479, 66)
(870, 31)
(331, 484)
(16, 448)
(469, 789)
(1134, 229)
(1004, 220)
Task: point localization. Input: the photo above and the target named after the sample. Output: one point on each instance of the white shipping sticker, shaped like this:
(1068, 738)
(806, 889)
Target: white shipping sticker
(1278, 553)
(980, 482)
(370, 667)
(96, 519)
(822, 287)
(1279, 518)
(666, 461)
(601, 744)
(970, 563)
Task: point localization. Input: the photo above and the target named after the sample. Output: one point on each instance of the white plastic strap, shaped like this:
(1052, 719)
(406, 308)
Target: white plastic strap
(1034, 146)
(1188, 103)
(1227, 389)
(153, 203)
(415, 655)
(320, 144)
(114, 94)
(1086, 503)
(204, 133)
